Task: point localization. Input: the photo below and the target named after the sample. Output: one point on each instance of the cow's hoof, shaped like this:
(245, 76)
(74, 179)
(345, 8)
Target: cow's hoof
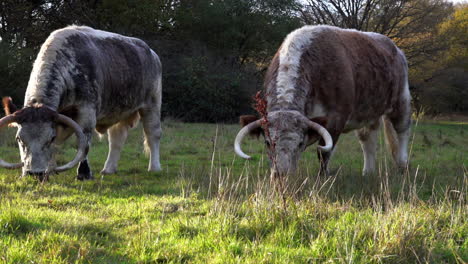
(154, 169)
(368, 173)
(84, 177)
(403, 169)
(108, 171)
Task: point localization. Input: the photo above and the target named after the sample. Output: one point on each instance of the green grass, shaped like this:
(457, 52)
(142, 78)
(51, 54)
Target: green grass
(208, 206)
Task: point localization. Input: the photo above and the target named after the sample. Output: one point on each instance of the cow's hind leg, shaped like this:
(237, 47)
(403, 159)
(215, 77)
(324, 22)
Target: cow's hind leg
(324, 158)
(368, 137)
(150, 118)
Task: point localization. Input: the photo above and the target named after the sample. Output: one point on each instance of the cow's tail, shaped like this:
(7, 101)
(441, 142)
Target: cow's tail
(391, 138)
(157, 107)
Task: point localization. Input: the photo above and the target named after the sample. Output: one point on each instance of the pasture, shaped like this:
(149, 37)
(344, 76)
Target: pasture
(209, 206)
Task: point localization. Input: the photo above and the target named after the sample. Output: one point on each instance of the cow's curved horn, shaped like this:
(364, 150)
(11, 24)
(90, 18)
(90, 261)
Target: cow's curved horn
(323, 133)
(240, 136)
(3, 122)
(82, 143)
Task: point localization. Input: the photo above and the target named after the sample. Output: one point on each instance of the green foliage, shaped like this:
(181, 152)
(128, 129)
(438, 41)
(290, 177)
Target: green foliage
(450, 87)
(218, 47)
(214, 53)
(237, 39)
(445, 78)
(14, 71)
(453, 32)
(203, 90)
(242, 29)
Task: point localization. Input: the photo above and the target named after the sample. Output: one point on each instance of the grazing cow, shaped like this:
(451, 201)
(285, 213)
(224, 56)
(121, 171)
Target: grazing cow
(85, 79)
(324, 81)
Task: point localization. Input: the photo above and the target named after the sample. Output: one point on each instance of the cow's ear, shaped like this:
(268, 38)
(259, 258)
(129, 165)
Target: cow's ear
(8, 106)
(312, 133)
(322, 120)
(9, 109)
(247, 119)
(64, 131)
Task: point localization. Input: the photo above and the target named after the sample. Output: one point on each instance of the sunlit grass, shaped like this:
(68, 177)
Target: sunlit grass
(208, 206)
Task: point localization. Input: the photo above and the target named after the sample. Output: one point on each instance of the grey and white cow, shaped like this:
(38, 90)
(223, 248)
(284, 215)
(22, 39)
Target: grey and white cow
(85, 79)
(324, 81)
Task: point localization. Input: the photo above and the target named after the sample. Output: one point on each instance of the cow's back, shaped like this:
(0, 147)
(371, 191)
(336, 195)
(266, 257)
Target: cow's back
(351, 72)
(83, 66)
(123, 68)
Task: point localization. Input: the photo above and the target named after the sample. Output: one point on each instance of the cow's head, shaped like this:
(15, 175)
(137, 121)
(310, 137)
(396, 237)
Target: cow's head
(287, 134)
(37, 128)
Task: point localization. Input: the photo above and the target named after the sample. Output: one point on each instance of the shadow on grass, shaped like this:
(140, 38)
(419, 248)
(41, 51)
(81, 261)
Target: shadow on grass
(88, 242)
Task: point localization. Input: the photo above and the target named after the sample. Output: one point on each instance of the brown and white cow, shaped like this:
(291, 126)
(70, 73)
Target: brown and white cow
(83, 80)
(326, 81)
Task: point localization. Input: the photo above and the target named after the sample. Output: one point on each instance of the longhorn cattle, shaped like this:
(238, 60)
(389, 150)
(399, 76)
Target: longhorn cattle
(324, 81)
(85, 79)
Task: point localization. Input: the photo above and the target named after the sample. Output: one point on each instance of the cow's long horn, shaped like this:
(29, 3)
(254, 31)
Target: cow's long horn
(240, 136)
(82, 143)
(323, 133)
(3, 122)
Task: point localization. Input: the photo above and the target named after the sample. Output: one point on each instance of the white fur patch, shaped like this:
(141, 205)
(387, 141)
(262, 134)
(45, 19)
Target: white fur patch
(289, 60)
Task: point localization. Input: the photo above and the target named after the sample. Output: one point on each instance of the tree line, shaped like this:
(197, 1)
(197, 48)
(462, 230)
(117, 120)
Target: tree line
(215, 52)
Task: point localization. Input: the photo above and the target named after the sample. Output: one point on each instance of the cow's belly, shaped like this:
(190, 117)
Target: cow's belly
(366, 115)
(354, 124)
(104, 122)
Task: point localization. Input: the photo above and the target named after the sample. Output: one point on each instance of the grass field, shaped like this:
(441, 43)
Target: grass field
(208, 206)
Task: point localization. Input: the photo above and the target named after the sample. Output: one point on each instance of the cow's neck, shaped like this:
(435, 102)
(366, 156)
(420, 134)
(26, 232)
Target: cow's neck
(48, 95)
(48, 78)
(277, 104)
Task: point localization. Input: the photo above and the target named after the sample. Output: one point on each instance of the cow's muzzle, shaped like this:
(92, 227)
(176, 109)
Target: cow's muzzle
(41, 176)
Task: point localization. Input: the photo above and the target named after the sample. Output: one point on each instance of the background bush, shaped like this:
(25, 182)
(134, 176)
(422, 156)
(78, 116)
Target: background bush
(214, 52)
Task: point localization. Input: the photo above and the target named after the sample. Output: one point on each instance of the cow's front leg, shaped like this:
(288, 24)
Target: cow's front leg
(324, 158)
(335, 126)
(87, 121)
(84, 171)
